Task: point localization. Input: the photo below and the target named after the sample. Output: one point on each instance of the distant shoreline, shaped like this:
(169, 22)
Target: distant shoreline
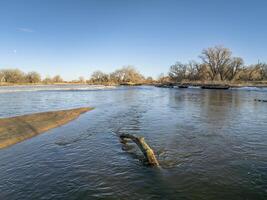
(38, 84)
(258, 84)
(201, 84)
(84, 84)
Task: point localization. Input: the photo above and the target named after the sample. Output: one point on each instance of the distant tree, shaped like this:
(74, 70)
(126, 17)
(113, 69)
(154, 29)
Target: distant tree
(217, 59)
(47, 80)
(163, 79)
(250, 73)
(99, 77)
(220, 65)
(160, 78)
(233, 68)
(2, 76)
(202, 72)
(263, 69)
(178, 71)
(149, 80)
(57, 79)
(81, 79)
(12, 76)
(193, 71)
(127, 74)
(33, 77)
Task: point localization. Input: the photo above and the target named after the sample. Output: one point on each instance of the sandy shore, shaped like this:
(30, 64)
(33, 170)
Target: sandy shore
(17, 129)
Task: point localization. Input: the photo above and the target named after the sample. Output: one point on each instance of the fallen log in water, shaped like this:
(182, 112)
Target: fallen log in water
(260, 100)
(183, 86)
(144, 147)
(17, 129)
(215, 86)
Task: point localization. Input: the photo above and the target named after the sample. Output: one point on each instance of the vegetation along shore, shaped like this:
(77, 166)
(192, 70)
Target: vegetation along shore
(216, 65)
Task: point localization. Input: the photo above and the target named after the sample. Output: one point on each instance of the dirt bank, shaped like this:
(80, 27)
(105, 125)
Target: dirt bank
(17, 129)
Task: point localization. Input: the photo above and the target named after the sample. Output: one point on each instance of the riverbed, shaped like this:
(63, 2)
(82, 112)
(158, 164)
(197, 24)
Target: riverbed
(211, 144)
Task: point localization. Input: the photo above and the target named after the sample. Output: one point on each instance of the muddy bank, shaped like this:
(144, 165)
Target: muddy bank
(217, 85)
(17, 129)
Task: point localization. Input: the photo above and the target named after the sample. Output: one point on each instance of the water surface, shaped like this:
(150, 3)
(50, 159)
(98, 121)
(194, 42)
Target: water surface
(211, 144)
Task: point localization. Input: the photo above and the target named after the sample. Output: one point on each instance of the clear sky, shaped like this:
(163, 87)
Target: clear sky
(75, 37)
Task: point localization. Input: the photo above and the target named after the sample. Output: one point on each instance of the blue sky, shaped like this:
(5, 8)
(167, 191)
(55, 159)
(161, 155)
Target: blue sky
(74, 38)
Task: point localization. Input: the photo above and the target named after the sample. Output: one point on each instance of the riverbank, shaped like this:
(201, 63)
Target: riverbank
(204, 85)
(17, 129)
(72, 83)
(215, 84)
(39, 84)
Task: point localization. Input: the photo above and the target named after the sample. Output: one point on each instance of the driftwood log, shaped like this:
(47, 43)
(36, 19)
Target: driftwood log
(260, 100)
(144, 147)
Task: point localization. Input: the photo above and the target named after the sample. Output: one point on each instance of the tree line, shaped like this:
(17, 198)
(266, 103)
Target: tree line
(126, 74)
(18, 76)
(216, 64)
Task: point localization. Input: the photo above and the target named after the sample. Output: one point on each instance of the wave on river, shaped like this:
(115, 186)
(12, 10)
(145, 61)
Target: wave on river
(32, 88)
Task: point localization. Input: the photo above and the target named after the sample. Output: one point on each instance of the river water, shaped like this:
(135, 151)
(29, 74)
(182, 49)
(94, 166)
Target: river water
(211, 144)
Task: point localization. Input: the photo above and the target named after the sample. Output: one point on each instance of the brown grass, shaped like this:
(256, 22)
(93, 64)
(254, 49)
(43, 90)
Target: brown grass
(17, 129)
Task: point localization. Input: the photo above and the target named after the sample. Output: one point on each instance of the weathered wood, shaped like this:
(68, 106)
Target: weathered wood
(215, 86)
(144, 147)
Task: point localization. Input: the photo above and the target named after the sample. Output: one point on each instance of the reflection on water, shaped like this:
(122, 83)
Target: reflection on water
(211, 145)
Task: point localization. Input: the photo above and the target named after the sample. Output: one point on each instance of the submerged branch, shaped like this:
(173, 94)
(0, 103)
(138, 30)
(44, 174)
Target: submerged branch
(144, 147)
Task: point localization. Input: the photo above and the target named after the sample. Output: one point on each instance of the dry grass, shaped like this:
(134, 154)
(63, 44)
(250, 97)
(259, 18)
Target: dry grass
(17, 129)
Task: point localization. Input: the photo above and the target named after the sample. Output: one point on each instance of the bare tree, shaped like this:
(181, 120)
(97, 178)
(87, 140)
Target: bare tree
(127, 74)
(57, 79)
(263, 69)
(47, 80)
(99, 77)
(193, 71)
(2, 77)
(202, 72)
(217, 60)
(81, 79)
(250, 73)
(178, 72)
(162, 78)
(233, 68)
(33, 77)
(12, 76)
(149, 80)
